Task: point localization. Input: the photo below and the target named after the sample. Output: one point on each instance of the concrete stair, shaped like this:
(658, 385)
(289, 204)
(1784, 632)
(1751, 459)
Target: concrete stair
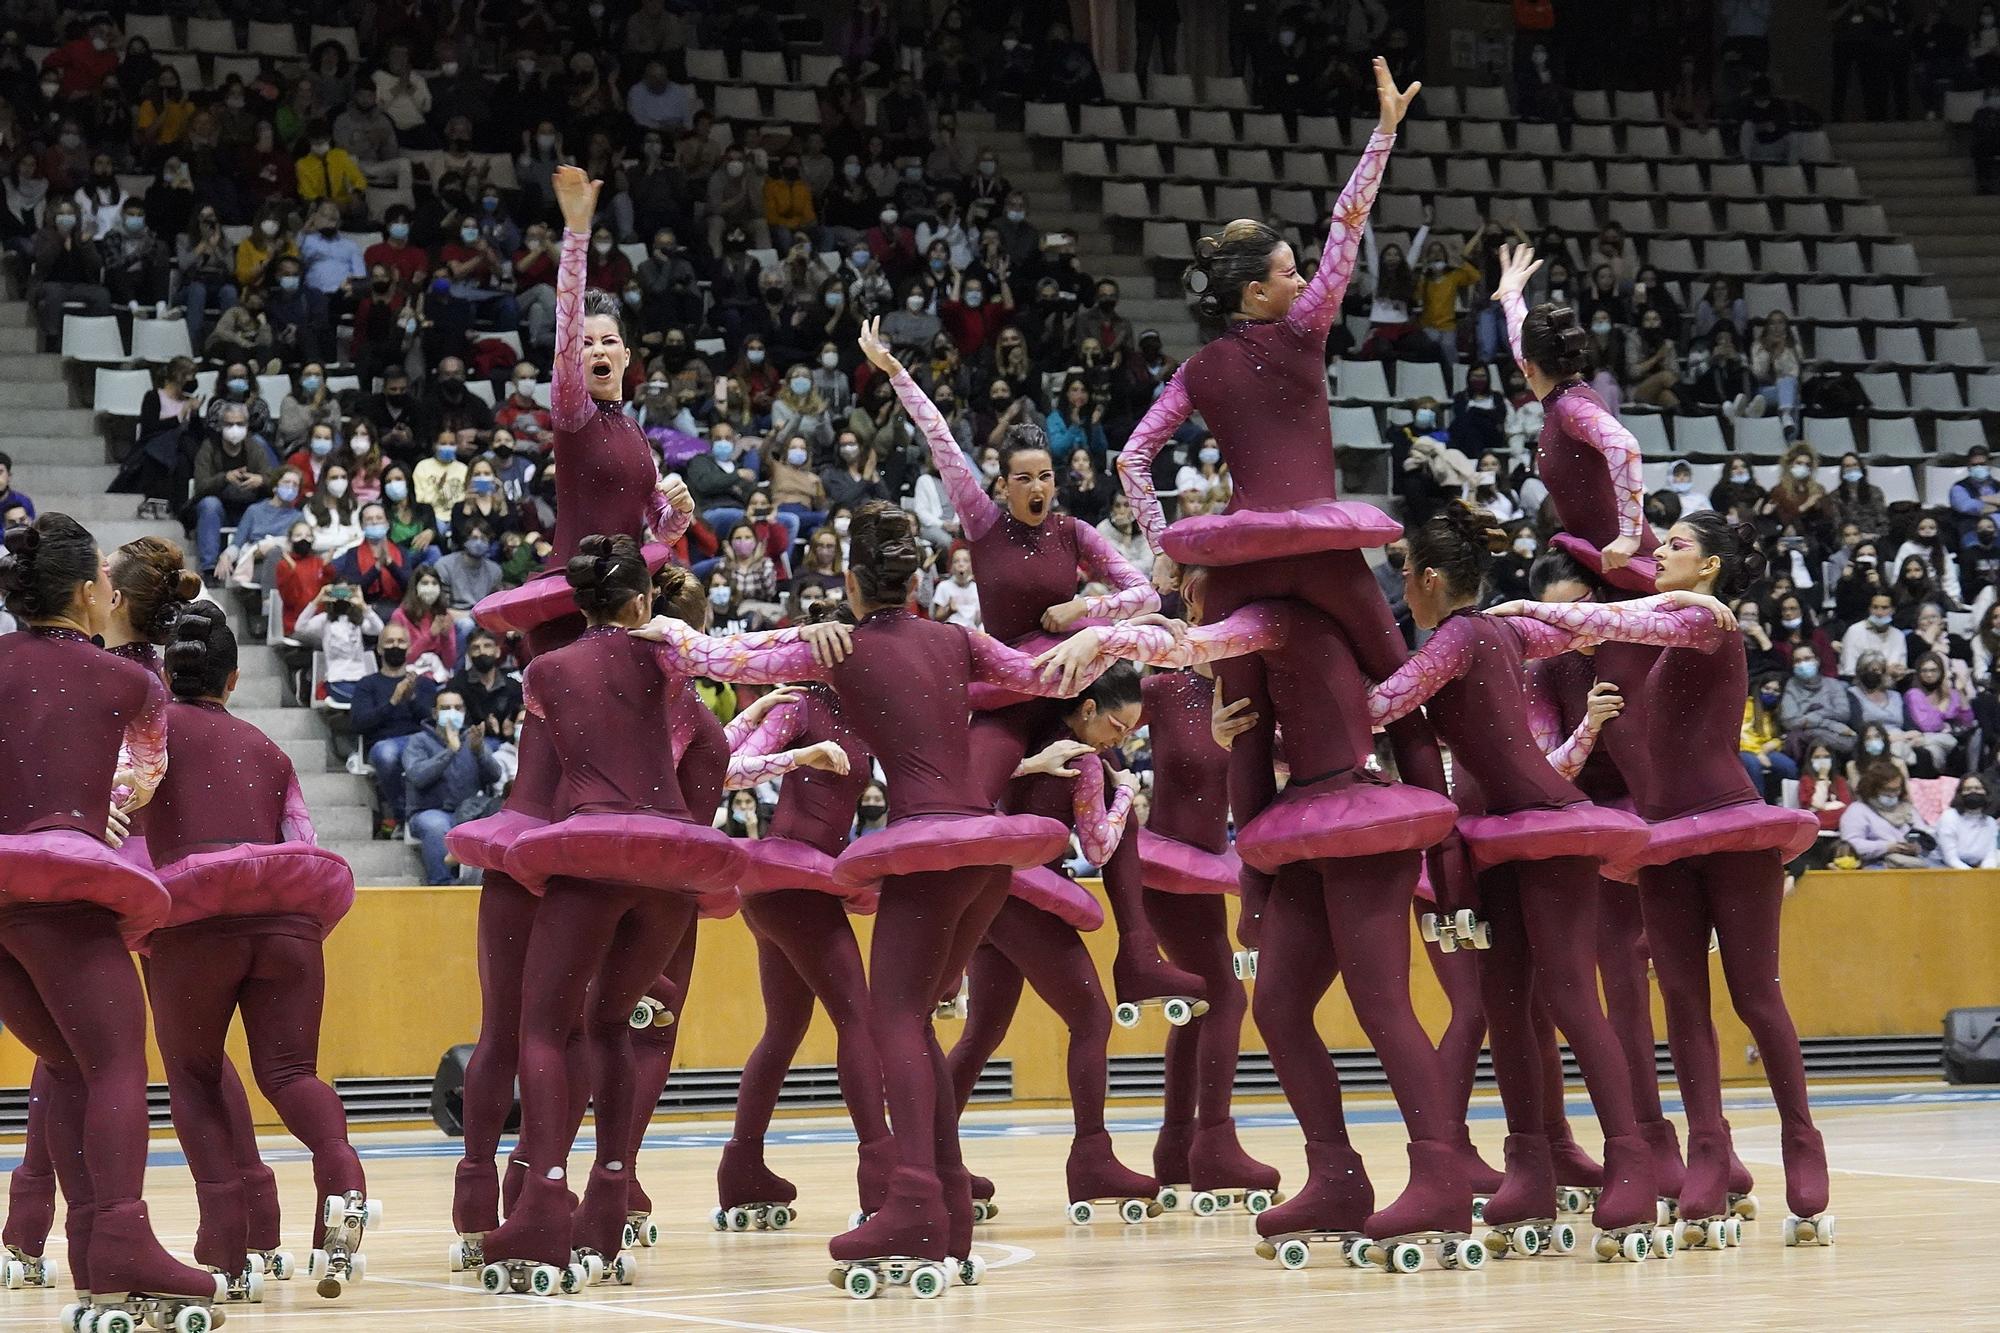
(1924, 182)
(60, 459)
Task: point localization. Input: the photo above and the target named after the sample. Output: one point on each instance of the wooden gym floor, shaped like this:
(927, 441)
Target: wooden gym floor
(1916, 1185)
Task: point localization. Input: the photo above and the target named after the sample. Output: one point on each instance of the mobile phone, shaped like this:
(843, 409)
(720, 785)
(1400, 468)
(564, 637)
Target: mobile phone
(339, 592)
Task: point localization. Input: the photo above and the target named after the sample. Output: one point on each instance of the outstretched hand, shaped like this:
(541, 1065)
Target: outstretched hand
(1517, 265)
(1072, 661)
(576, 195)
(877, 350)
(1054, 761)
(827, 756)
(1394, 101)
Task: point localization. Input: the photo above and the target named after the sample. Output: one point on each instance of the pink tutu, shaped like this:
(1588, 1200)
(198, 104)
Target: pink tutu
(62, 866)
(864, 903)
(1636, 575)
(1039, 886)
(644, 851)
(1353, 817)
(260, 879)
(483, 843)
(540, 600)
(1607, 836)
(1173, 866)
(1244, 535)
(720, 905)
(951, 842)
(777, 864)
(1750, 827)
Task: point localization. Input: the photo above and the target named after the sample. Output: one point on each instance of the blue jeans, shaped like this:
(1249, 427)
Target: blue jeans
(386, 756)
(803, 521)
(210, 516)
(1490, 331)
(1783, 766)
(720, 520)
(194, 299)
(430, 826)
(1783, 395)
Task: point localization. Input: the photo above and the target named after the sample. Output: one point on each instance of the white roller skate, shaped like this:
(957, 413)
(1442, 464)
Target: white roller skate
(1207, 1203)
(21, 1269)
(275, 1265)
(641, 1230)
(953, 1010)
(1459, 930)
(1630, 1244)
(529, 1278)
(1577, 1200)
(468, 1252)
(753, 1217)
(338, 1260)
(1405, 1254)
(1130, 1211)
(1244, 963)
(128, 1312)
(1709, 1233)
(650, 1013)
(1293, 1251)
(864, 1279)
(1179, 1010)
(1526, 1239)
(597, 1269)
(1817, 1230)
(246, 1287)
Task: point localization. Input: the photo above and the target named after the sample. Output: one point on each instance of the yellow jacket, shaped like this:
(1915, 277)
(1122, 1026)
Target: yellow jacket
(1439, 295)
(1759, 735)
(788, 203)
(337, 177)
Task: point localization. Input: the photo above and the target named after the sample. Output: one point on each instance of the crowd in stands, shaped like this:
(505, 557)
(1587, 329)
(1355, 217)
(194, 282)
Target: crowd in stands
(362, 245)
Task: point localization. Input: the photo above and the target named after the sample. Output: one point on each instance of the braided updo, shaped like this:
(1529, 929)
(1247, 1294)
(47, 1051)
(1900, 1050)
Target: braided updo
(1555, 342)
(883, 554)
(150, 574)
(607, 573)
(1225, 264)
(42, 563)
(1734, 545)
(1459, 541)
(201, 651)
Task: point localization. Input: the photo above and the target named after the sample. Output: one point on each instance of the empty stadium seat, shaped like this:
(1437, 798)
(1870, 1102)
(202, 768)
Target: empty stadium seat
(1362, 381)
(120, 393)
(1894, 437)
(93, 338)
(159, 341)
(1935, 391)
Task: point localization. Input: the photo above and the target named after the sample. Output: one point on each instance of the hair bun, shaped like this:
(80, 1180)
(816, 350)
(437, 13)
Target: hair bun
(24, 541)
(187, 586)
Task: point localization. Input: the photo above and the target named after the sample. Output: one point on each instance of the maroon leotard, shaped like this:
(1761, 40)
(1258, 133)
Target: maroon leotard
(228, 784)
(1694, 715)
(816, 807)
(1190, 771)
(608, 706)
(69, 705)
(1563, 684)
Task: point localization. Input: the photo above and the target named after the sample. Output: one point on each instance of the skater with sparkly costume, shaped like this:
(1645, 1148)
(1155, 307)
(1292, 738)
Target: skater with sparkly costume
(67, 985)
(1714, 863)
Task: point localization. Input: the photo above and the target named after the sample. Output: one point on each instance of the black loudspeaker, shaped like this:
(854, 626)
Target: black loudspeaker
(448, 1094)
(1972, 1046)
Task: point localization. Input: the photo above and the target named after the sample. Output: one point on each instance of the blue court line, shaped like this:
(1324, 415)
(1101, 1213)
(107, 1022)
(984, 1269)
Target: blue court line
(975, 1129)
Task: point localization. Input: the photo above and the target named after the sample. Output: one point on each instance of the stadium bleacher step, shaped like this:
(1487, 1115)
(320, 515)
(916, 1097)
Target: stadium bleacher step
(50, 422)
(380, 862)
(30, 366)
(50, 393)
(282, 724)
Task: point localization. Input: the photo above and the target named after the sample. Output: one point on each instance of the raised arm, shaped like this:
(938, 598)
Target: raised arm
(976, 510)
(1099, 828)
(1135, 464)
(569, 391)
(1317, 305)
(1101, 562)
(1445, 656)
(1515, 307)
(1661, 622)
(297, 824)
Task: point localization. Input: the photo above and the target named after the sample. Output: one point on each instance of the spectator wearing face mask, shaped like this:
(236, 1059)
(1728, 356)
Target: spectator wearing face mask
(719, 483)
(956, 598)
(1878, 704)
(1928, 544)
(1876, 634)
(1425, 470)
(1508, 581)
(871, 813)
(334, 512)
(736, 200)
(1882, 826)
(470, 573)
(485, 501)
(1823, 788)
(378, 566)
(312, 457)
(446, 768)
(1762, 740)
(298, 574)
(1122, 530)
(1968, 838)
(260, 531)
(1815, 709)
(327, 171)
(1939, 716)
(521, 412)
(1489, 490)
(1737, 497)
(1979, 561)
(1479, 417)
(439, 480)
(1978, 492)
(1680, 481)
(492, 694)
(795, 485)
(427, 619)
(232, 472)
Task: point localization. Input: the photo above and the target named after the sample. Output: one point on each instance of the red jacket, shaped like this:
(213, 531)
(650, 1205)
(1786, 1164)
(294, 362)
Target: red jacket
(299, 580)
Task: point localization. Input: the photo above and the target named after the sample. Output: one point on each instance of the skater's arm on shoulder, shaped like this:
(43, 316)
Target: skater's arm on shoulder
(297, 824)
(1135, 463)
(1444, 657)
(768, 657)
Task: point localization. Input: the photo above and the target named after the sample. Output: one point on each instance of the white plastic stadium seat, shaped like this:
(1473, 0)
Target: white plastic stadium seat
(159, 341)
(120, 393)
(92, 338)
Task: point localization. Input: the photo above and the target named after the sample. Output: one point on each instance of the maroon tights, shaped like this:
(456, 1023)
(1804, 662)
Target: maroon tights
(199, 978)
(806, 951)
(506, 917)
(1543, 915)
(1628, 1000)
(1737, 895)
(1346, 918)
(926, 929)
(1201, 1055)
(1027, 943)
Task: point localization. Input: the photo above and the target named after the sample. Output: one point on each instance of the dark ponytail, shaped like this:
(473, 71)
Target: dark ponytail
(201, 652)
(678, 593)
(1736, 547)
(1554, 342)
(1116, 688)
(607, 573)
(43, 562)
(150, 574)
(1225, 264)
(882, 552)
(1459, 541)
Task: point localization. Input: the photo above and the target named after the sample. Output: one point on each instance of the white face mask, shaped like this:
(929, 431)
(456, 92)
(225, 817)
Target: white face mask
(337, 487)
(428, 593)
(235, 434)
(830, 360)
(360, 444)
(913, 302)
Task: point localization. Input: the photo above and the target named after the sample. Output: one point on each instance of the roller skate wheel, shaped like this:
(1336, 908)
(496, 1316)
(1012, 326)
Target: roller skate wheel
(1471, 1254)
(575, 1277)
(992, 1210)
(1526, 1242)
(1482, 936)
(1479, 1207)
(1126, 1015)
(1179, 1012)
(357, 1266)
(283, 1265)
(1132, 1212)
(1203, 1204)
(493, 1278)
(1170, 1198)
(1292, 1255)
(720, 1219)
(12, 1274)
(543, 1280)
(1463, 923)
(1427, 926)
(642, 1015)
(1406, 1257)
(1569, 1200)
(71, 1316)
(254, 1263)
(1256, 1201)
(1663, 1212)
(928, 1282)
(193, 1319)
(1082, 1212)
(372, 1213)
(971, 1271)
(624, 1270)
(1355, 1252)
(593, 1268)
(1663, 1242)
(1447, 944)
(332, 1210)
(1734, 1227)
(454, 1256)
(649, 1233)
(315, 1263)
(739, 1219)
(781, 1217)
(857, 1217)
(1716, 1235)
(1746, 1208)
(253, 1288)
(1562, 1239)
(860, 1283)
(1636, 1246)
(111, 1321)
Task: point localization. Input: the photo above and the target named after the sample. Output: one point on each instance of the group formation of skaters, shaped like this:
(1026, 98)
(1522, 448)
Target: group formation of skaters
(1556, 855)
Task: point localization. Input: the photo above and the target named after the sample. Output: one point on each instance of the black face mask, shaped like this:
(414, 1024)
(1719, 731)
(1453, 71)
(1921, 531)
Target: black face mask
(485, 662)
(873, 812)
(1969, 803)
(1870, 680)
(302, 547)
(190, 386)
(394, 657)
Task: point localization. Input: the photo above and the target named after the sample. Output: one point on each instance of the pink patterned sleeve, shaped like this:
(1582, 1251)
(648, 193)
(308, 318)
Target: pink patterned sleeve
(1589, 421)
(1655, 621)
(771, 733)
(297, 824)
(1101, 561)
(1445, 656)
(665, 522)
(749, 770)
(1253, 628)
(1099, 828)
(144, 751)
(975, 508)
(1135, 464)
(1010, 669)
(770, 657)
(1317, 306)
(1568, 758)
(1514, 307)
(569, 389)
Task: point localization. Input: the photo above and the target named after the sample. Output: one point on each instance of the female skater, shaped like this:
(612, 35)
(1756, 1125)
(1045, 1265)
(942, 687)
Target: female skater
(1028, 558)
(1035, 936)
(1715, 862)
(253, 898)
(943, 863)
(67, 986)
